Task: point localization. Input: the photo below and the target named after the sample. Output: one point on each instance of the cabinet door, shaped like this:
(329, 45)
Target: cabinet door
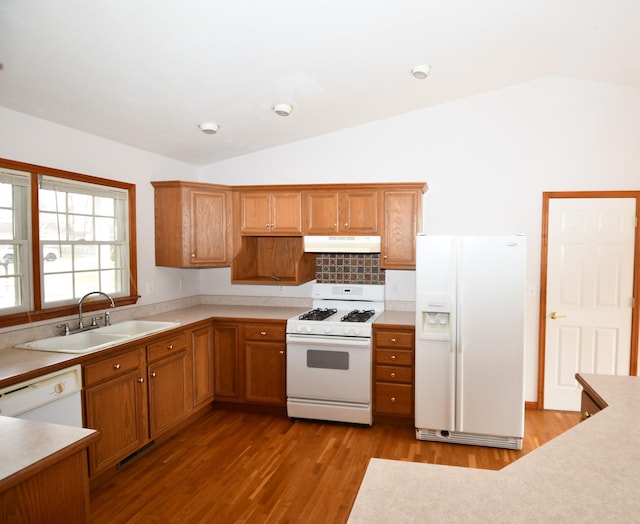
(401, 210)
(286, 213)
(359, 212)
(265, 372)
(226, 362)
(168, 395)
(209, 239)
(202, 365)
(255, 216)
(117, 409)
(321, 213)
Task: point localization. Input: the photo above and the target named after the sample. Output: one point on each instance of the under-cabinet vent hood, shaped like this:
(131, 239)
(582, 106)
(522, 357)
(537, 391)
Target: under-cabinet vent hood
(341, 244)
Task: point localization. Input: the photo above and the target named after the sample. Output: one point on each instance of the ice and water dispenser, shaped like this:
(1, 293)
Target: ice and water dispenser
(435, 317)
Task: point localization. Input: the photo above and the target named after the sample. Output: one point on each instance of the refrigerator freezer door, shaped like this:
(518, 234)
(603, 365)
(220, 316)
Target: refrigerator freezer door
(435, 356)
(491, 300)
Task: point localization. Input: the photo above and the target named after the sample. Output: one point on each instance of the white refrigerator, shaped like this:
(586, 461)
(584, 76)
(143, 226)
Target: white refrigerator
(469, 353)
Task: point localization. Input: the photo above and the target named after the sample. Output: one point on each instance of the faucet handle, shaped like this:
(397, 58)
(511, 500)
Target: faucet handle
(66, 328)
(94, 320)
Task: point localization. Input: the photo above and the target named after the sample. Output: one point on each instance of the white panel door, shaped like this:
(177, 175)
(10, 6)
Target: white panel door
(589, 293)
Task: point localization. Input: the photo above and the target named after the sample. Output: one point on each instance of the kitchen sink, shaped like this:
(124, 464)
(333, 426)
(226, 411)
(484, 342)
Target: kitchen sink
(100, 338)
(137, 327)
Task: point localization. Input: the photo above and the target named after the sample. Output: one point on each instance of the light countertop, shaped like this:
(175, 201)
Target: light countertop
(28, 445)
(590, 473)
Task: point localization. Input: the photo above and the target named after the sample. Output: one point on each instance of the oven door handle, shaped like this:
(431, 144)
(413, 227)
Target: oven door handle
(320, 340)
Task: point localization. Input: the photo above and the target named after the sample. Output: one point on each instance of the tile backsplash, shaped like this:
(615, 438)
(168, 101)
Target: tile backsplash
(349, 268)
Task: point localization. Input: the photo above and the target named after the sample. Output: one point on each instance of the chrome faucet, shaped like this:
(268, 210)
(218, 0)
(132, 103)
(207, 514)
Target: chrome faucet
(106, 315)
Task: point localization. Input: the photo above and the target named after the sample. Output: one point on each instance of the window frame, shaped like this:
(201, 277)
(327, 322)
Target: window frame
(38, 313)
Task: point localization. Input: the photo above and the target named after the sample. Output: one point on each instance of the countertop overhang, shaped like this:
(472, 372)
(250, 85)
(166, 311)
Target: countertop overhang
(590, 473)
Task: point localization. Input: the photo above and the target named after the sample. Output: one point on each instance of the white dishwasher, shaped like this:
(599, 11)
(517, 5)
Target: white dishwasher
(54, 398)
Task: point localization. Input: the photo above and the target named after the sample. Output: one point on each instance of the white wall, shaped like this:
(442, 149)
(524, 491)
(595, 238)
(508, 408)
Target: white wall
(487, 160)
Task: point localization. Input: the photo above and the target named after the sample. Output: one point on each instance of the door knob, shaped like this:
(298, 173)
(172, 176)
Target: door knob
(556, 316)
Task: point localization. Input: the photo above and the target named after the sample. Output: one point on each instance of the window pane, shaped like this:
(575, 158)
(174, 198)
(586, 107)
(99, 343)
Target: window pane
(86, 257)
(52, 201)
(81, 227)
(110, 281)
(53, 226)
(86, 281)
(80, 204)
(105, 229)
(58, 287)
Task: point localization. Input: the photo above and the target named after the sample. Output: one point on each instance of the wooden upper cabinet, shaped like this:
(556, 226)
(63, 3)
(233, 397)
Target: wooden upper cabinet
(402, 220)
(192, 224)
(344, 212)
(270, 213)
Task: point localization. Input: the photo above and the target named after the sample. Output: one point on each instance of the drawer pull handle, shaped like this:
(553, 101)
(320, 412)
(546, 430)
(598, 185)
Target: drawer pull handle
(116, 366)
(263, 333)
(141, 380)
(153, 373)
(393, 340)
(393, 399)
(393, 375)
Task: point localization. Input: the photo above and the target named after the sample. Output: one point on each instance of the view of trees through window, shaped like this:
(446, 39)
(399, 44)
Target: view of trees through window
(82, 230)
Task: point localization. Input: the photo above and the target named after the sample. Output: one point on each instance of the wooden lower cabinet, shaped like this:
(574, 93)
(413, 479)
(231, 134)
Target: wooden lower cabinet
(169, 396)
(250, 362)
(202, 365)
(226, 361)
(116, 405)
(393, 391)
(265, 364)
(136, 395)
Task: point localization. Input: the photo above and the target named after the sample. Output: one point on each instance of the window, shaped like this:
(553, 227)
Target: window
(82, 229)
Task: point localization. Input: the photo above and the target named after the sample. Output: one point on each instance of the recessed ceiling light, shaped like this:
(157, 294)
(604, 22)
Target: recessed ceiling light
(209, 128)
(282, 109)
(421, 71)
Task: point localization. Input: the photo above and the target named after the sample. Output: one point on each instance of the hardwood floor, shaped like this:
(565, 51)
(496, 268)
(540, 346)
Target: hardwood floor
(232, 466)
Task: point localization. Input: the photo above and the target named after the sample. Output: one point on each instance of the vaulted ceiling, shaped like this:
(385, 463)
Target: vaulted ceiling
(147, 72)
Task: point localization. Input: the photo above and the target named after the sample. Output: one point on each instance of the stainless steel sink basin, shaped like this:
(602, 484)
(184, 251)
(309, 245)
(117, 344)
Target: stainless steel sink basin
(100, 338)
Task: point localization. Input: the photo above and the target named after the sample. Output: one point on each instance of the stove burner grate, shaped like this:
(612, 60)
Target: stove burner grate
(358, 316)
(318, 314)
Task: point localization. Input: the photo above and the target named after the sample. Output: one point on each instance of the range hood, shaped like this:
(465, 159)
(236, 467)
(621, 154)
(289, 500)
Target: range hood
(341, 244)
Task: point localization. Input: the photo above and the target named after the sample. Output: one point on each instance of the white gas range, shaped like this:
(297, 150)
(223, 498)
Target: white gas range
(329, 354)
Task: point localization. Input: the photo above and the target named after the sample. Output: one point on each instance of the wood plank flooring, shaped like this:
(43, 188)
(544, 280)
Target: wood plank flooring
(233, 467)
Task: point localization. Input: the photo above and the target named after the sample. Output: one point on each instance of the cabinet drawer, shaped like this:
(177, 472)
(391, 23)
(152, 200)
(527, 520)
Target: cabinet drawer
(396, 374)
(113, 366)
(264, 332)
(394, 339)
(394, 399)
(401, 357)
(167, 346)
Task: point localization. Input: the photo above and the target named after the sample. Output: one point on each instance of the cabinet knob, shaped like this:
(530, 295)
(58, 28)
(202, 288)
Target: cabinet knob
(385, 257)
(263, 333)
(335, 226)
(393, 399)
(116, 366)
(346, 224)
(393, 340)
(193, 255)
(141, 380)
(282, 352)
(587, 414)
(169, 346)
(59, 387)
(153, 374)
(393, 357)
(267, 226)
(393, 375)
